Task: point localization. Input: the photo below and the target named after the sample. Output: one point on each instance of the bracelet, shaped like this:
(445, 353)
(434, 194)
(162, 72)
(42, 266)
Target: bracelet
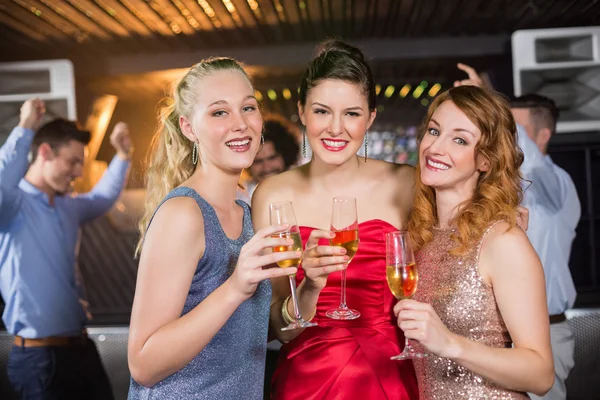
(284, 311)
(286, 315)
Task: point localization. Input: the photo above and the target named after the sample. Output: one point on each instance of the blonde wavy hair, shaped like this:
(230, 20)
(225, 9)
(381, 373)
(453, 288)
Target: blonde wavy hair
(498, 192)
(169, 158)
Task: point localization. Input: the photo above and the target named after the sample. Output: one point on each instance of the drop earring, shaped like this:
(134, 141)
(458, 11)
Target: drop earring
(304, 144)
(195, 153)
(366, 145)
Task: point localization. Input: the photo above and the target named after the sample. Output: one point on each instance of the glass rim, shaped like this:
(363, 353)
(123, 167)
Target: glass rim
(344, 198)
(279, 203)
(397, 232)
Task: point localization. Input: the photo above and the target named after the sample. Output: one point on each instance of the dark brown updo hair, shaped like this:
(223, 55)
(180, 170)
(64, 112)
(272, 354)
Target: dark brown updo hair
(336, 59)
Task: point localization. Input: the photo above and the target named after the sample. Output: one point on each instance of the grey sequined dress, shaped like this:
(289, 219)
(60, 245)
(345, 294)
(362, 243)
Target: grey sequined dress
(232, 365)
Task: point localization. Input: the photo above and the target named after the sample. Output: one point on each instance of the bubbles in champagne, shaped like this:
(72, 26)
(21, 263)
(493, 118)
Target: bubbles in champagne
(402, 280)
(348, 240)
(296, 246)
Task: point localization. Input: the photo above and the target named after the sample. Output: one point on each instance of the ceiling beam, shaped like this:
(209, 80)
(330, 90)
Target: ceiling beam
(297, 55)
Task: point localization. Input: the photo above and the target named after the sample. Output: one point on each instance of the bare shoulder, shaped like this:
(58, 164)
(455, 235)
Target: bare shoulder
(404, 174)
(506, 248)
(279, 186)
(391, 173)
(502, 237)
(178, 217)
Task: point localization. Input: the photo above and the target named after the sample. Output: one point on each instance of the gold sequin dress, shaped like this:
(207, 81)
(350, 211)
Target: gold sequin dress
(466, 305)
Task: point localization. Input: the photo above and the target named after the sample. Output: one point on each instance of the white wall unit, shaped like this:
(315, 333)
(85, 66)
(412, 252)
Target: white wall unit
(52, 81)
(563, 64)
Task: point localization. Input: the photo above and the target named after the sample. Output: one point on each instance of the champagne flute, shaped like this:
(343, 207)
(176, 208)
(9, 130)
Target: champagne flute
(402, 277)
(344, 224)
(281, 213)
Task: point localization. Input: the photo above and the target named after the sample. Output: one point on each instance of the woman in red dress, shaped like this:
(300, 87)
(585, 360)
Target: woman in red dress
(339, 359)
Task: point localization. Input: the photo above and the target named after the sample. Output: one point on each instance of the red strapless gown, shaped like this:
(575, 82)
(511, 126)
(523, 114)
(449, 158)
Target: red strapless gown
(350, 359)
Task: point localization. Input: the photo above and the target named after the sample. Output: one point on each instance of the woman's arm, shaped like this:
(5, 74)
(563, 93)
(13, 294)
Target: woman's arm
(161, 340)
(510, 263)
(318, 262)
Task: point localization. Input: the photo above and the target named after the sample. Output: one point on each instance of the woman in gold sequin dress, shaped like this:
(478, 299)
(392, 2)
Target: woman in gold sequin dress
(479, 311)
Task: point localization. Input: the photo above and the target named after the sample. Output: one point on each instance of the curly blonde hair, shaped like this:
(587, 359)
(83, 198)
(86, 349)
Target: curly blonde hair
(498, 192)
(169, 158)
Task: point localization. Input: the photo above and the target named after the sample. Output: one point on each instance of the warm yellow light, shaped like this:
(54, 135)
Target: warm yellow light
(287, 94)
(389, 91)
(230, 7)
(272, 94)
(434, 90)
(418, 92)
(175, 28)
(405, 90)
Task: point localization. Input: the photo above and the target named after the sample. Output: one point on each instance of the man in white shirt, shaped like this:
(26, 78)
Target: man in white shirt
(554, 212)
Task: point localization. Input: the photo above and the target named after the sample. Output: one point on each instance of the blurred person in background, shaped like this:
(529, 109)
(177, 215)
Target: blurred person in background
(554, 212)
(279, 153)
(52, 357)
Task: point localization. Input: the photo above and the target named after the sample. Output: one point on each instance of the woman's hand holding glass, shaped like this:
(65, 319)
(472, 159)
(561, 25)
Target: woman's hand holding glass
(320, 261)
(420, 322)
(249, 271)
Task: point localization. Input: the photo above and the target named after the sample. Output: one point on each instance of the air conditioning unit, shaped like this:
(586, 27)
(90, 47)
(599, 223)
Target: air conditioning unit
(52, 81)
(564, 65)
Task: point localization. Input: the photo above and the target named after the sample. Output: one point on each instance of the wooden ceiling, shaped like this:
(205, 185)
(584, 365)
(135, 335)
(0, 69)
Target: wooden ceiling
(34, 29)
(115, 44)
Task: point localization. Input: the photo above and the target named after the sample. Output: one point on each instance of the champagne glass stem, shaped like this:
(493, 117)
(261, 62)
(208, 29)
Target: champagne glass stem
(297, 314)
(343, 305)
(298, 322)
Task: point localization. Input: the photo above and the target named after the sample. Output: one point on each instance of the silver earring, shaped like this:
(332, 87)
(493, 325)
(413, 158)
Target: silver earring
(304, 144)
(195, 154)
(262, 141)
(366, 144)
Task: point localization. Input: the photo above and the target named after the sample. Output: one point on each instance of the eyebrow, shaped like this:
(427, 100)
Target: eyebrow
(456, 130)
(329, 108)
(224, 102)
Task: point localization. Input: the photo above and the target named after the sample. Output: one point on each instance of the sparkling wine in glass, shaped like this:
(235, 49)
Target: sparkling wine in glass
(402, 277)
(344, 224)
(283, 213)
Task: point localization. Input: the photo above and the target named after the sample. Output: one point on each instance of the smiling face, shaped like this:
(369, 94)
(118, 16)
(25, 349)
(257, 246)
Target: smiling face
(336, 116)
(226, 121)
(62, 166)
(447, 153)
(267, 163)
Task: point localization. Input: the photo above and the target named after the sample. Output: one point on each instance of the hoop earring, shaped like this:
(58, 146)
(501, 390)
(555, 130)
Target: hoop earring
(366, 144)
(195, 153)
(304, 144)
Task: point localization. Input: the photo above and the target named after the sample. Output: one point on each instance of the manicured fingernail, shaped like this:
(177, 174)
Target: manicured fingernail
(346, 258)
(342, 250)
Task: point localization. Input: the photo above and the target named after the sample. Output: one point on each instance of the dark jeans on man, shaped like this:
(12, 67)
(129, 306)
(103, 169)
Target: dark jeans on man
(59, 372)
